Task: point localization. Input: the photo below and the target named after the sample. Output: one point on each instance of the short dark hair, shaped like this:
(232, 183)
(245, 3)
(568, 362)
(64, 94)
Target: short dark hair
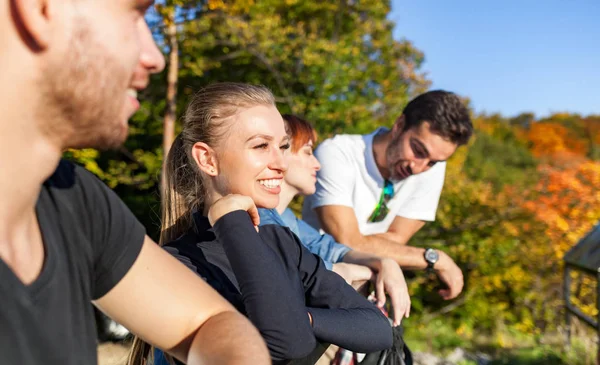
(445, 112)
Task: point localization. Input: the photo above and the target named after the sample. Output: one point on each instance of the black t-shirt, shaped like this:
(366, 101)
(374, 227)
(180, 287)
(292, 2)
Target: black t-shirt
(91, 240)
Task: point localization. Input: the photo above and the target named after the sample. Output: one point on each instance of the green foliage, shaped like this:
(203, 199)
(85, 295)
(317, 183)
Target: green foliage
(500, 162)
(437, 336)
(344, 75)
(548, 355)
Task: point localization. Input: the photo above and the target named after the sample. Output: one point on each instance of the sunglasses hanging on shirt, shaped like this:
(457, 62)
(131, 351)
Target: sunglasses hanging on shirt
(381, 209)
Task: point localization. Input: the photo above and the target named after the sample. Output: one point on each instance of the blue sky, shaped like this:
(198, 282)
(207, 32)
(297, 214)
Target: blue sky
(509, 56)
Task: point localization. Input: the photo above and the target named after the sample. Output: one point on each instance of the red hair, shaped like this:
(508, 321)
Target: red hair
(300, 131)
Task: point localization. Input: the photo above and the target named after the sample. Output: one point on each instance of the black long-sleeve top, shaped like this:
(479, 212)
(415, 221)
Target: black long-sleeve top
(274, 280)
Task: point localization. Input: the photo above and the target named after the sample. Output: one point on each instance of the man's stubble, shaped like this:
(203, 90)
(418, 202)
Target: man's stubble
(83, 95)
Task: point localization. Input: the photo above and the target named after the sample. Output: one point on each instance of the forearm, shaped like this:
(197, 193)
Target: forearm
(256, 266)
(227, 338)
(362, 258)
(408, 257)
(357, 329)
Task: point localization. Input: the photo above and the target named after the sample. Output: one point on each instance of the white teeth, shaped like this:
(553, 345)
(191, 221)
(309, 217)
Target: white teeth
(272, 183)
(132, 92)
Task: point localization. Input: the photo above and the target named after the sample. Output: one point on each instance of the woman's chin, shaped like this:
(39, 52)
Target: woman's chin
(308, 192)
(266, 203)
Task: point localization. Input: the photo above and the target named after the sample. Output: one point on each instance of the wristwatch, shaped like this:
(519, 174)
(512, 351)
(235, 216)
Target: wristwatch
(431, 257)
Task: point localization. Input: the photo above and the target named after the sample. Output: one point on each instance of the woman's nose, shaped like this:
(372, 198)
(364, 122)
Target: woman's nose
(278, 161)
(317, 164)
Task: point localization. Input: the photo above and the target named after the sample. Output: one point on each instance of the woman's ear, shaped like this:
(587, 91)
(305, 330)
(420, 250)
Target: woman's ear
(205, 158)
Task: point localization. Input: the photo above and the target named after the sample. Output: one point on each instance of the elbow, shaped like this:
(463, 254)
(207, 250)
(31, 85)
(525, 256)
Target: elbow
(294, 345)
(380, 334)
(302, 349)
(382, 340)
(385, 338)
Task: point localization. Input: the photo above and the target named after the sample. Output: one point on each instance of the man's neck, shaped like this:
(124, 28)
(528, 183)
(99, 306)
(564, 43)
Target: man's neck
(27, 160)
(285, 197)
(380, 145)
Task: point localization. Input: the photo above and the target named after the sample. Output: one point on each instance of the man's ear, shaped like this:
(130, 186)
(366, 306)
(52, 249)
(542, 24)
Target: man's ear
(33, 19)
(399, 124)
(205, 158)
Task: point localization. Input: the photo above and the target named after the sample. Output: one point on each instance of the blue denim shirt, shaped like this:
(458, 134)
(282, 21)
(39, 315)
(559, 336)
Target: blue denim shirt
(322, 245)
(159, 358)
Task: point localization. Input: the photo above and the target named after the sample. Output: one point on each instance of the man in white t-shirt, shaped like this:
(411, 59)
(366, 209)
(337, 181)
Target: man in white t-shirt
(375, 191)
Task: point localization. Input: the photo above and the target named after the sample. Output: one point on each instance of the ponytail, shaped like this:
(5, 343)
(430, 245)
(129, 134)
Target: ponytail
(182, 194)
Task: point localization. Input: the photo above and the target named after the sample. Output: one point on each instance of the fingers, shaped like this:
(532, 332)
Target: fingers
(400, 302)
(401, 305)
(453, 278)
(454, 289)
(409, 306)
(253, 212)
(250, 207)
(233, 202)
(380, 292)
(392, 278)
(398, 309)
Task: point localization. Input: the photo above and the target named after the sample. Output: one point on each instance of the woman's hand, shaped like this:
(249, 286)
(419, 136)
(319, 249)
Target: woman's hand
(230, 203)
(355, 275)
(390, 279)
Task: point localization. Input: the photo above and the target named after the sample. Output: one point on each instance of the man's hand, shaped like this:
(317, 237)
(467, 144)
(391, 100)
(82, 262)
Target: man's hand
(450, 274)
(355, 275)
(230, 203)
(390, 279)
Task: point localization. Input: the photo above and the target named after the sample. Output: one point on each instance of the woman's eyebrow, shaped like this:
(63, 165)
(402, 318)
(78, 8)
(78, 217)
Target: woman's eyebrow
(263, 136)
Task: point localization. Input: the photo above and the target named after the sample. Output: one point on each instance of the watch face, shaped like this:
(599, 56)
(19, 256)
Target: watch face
(431, 255)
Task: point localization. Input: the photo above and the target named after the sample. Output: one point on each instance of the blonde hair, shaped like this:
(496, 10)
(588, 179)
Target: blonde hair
(205, 120)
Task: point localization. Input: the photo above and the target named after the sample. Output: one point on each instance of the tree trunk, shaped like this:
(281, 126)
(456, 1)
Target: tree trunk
(172, 76)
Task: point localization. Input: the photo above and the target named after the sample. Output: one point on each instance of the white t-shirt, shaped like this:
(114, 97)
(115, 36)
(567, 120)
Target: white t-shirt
(349, 177)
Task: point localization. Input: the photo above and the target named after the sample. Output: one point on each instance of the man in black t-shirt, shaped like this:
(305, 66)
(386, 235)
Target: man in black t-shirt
(69, 74)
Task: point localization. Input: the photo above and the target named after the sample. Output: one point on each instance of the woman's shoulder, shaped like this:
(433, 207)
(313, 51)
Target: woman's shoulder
(186, 250)
(206, 257)
(194, 247)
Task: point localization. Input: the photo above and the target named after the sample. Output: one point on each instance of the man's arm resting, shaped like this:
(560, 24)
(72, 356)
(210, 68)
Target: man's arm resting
(340, 222)
(169, 306)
